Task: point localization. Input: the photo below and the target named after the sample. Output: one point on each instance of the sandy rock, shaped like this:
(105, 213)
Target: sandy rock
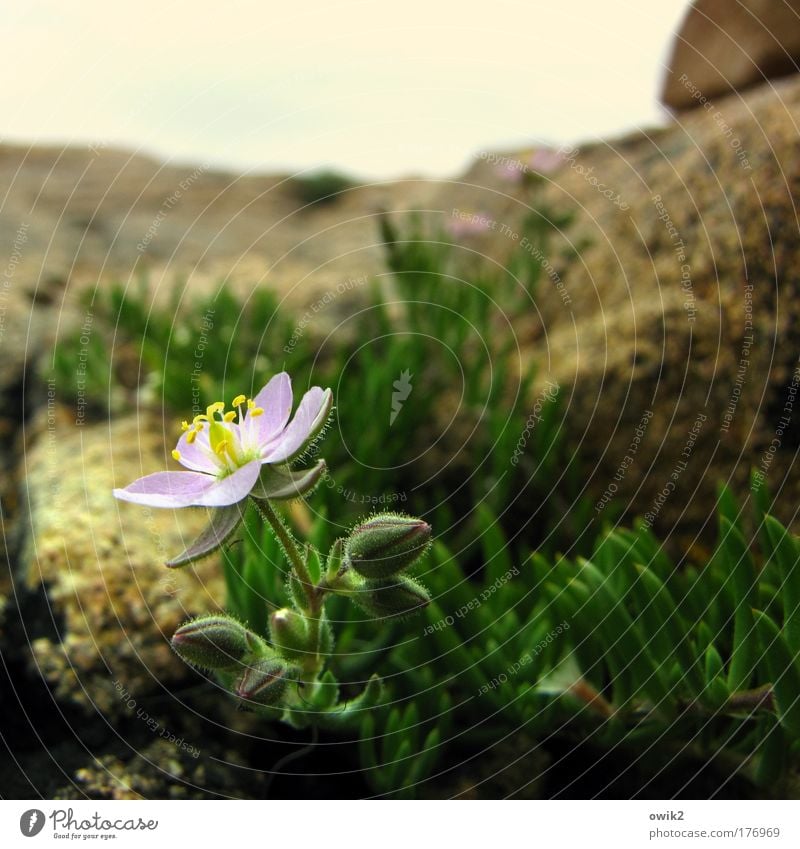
(723, 47)
(682, 301)
(113, 602)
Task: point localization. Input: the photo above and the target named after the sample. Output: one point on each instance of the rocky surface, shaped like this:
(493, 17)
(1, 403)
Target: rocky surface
(682, 301)
(113, 604)
(672, 333)
(723, 47)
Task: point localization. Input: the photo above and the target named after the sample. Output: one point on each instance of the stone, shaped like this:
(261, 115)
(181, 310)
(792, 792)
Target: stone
(723, 47)
(682, 301)
(113, 602)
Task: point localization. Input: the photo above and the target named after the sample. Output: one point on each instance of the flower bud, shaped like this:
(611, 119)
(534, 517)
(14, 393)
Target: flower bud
(289, 633)
(386, 544)
(263, 682)
(213, 642)
(387, 597)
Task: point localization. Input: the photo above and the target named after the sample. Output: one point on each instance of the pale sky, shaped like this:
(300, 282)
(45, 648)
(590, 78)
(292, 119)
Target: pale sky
(375, 88)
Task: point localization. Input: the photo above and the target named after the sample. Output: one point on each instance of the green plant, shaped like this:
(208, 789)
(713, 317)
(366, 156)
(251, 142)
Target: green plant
(244, 458)
(322, 186)
(625, 646)
(179, 354)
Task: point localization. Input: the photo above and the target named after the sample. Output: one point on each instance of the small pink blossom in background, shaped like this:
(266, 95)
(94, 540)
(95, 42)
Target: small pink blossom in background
(545, 160)
(469, 224)
(511, 172)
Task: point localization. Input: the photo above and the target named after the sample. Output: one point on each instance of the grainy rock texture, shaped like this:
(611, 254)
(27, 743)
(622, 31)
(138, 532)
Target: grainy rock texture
(112, 601)
(723, 47)
(682, 301)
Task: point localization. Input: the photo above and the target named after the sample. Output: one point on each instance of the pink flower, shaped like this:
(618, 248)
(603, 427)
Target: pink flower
(468, 224)
(545, 160)
(226, 453)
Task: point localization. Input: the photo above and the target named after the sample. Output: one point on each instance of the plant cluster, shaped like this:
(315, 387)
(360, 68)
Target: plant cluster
(247, 455)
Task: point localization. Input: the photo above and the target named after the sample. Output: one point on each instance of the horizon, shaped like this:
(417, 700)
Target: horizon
(385, 106)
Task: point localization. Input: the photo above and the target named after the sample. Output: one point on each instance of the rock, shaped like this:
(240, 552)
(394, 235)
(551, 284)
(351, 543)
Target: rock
(682, 302)
(723, 47)
(114, 603)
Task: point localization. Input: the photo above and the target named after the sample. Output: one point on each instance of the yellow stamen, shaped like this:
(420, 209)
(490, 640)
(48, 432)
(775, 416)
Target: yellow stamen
(191, 436)
(184, 426)
(176, 455)
(221, 447)
(239, 399)
(197, 419)
(256, 411)
(216, 407)
(229, 416)
(251, 404)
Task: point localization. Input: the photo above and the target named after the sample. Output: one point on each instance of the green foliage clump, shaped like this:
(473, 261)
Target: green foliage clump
(322, 186)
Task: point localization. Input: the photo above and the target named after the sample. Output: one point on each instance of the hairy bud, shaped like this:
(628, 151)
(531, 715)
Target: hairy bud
(213, 642)
(384, 598)
(264, 682)
(386, 544)
(289, 633)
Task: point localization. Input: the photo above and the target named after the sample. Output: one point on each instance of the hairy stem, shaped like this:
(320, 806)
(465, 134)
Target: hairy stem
(289, 547)
(315, 597)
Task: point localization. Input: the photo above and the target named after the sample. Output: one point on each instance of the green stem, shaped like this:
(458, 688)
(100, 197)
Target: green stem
(289, 546)
(314, 594)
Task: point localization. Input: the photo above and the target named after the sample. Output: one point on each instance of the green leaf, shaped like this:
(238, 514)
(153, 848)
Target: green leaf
(624, 641)
(744, 651)
(281, 483)
(366, 746)
(398, 767)
(716, 691)
(772, 753)
(760, 499)
(313, 563)
(425, 761)
(782, 669)
(223, 522)
(668, 619)
(786, 554)
(728, 508)
(327, 692)
(496, 554)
